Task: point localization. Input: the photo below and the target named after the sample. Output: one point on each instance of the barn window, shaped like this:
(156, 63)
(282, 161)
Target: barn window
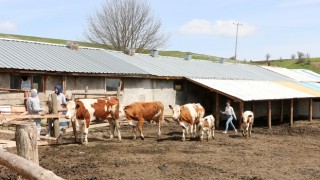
(26, 82)
(178, 85)
(113, 84)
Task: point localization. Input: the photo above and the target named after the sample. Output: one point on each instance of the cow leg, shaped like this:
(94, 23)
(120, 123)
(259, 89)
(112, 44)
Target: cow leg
(250, 129)
(212, 132)
(134, 128)
(111, 124)
(117, 126)
(184, 129)
(86, 131)
(201, 134)
(140, 124)
(208, 134)
(191, 131)
(81, 131)
(159, 129)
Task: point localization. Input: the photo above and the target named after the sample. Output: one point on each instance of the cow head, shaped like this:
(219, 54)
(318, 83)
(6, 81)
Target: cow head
(175, 111)
(72, 107)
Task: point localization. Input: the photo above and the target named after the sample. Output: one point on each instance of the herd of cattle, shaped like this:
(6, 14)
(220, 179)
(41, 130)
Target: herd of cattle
(190, 117)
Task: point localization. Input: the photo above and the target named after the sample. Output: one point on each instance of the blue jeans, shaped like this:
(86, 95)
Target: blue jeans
(229, 121)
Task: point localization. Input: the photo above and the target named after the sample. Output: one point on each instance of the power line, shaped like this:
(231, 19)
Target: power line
(235, 51)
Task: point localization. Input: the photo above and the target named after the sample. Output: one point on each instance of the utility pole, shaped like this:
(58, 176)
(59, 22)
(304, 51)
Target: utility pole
(235, 51)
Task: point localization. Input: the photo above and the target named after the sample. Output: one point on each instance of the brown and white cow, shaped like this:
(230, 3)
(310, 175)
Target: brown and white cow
(87, 110)
(138, 112)
(188, 116)
(206, 124)
(247, 120)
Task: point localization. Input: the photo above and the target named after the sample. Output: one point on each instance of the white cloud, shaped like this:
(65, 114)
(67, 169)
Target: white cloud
(8, 26)
(218, 28)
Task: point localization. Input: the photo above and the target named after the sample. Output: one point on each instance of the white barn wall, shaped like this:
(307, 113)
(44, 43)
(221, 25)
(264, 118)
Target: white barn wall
(144, 90)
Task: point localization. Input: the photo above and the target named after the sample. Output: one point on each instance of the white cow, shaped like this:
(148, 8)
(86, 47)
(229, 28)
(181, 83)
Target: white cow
(188, 116)
(247, 120)
(207, 124)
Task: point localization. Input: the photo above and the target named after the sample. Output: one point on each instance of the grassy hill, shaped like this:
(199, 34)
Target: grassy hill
(313, 64)
(87, 44)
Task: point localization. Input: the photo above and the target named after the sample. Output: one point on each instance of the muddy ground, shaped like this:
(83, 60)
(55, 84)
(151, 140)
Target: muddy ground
(279, 153)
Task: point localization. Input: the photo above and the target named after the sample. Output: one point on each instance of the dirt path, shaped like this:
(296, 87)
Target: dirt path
(280, 153)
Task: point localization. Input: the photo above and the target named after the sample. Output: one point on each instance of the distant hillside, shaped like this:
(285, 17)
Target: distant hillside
(313, 64)
(86, 44)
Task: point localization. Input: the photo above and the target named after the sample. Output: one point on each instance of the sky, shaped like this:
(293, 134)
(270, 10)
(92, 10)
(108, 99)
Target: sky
(276, 27)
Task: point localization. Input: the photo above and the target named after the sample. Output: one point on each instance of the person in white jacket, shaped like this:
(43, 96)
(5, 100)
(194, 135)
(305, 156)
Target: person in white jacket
(230, 115)
(33, 107)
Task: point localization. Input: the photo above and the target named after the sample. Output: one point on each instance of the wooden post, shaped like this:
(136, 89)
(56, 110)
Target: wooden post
(74, 128)
(64, 83)
(217, 111)
(310, 109)
(291, 112)
(269, 114)
(86, 91)
(26, 141)
(56, 125)
(281, 112)
(241, 106)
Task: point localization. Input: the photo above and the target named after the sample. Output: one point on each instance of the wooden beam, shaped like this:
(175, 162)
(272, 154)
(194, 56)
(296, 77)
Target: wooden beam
(291, 112)
(310, 109)
(24, 168)
(241, 109)
(281, 112)
(217, 109)
(269, 114)
(31, 116)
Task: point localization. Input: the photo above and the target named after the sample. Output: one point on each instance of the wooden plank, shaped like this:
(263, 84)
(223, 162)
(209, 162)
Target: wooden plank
(17, 116)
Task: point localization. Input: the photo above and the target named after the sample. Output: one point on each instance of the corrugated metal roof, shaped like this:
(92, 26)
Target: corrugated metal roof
(248, 90)
(296, 74)
(29, 55)
(178, 67)
(301, 87)
(315, 76)
(312, 85)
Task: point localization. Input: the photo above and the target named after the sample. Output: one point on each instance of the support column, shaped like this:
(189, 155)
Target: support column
(291, 112)
(241, 106)
(269, 114)
(281, 112)
(217, 109)
(310, 109)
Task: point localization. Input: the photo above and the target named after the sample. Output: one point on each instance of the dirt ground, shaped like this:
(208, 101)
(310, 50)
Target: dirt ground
(279, 153)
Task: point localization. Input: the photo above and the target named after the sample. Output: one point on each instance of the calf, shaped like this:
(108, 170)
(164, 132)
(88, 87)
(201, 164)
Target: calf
(188, 116)
(138, 112)
(206, 124)
(87, 110)
(246, 123)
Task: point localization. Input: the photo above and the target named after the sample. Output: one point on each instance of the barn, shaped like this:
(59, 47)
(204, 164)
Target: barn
(274, 95)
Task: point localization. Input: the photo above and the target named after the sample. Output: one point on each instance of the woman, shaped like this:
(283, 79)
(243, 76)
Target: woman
(33, 107)
(230, 115)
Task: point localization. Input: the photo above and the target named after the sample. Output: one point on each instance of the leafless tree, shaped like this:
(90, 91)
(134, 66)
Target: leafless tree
(268, 56)
(301, 57)
(126, 24)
